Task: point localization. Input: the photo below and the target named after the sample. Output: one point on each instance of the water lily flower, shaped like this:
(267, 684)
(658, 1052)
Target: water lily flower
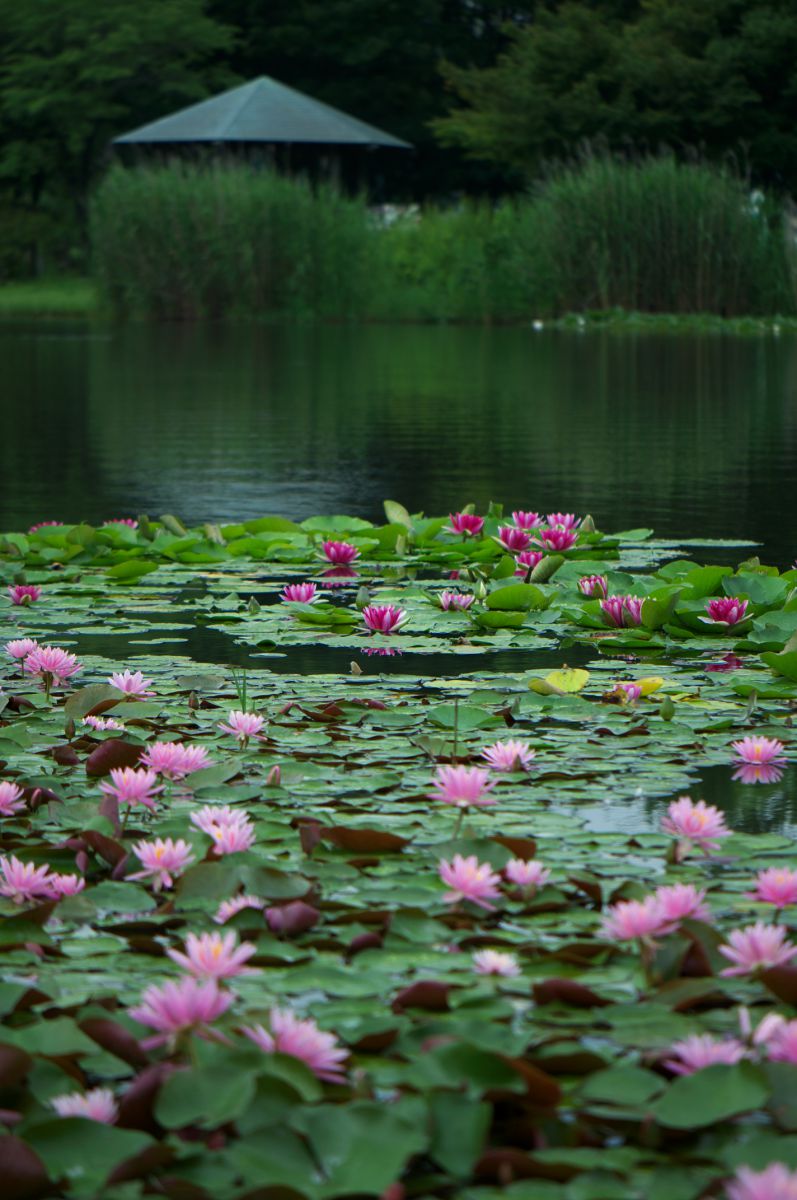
(634, 919)
(781, 1040)
(701, 1050)
(594, 586)
(759, 750)
(512, 539)
(757, 773)
(53, 665)
(101, 724)
(11, 801)
(178, 1006)
(274, 777)
(527, 560)
(62, 886)
(384, 618)
(626, 693)
(560, 520)
(340, 553)
(622, 611)
(463, 787)
(495, 962)
(469, 880)
(130, 522)
(131, 683)
(728, 610)
(556, 540)
(24, 882)
(214, 956)
(21, 647)
(163, 860)
(173, 760)
(42, 525)
(301, 593)
(698, 823)
(757, 948)
(24, 593)
(510, 755)
(528, 875)
(133, 785)
(776, 885)
(678, 901)
(458, 600)
(243, 725)
(775, 1182)
(229, 908)
(233, 838)
(526, 520)
(301, 1039)
(96, 1105)
(468, 524)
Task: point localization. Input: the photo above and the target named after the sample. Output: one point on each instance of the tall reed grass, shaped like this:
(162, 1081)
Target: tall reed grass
(654, 235)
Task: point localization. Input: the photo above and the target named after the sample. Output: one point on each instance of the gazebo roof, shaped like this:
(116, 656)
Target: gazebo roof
(261, 111)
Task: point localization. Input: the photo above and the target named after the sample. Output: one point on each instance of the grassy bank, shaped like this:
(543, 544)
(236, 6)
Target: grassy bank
(49, 298)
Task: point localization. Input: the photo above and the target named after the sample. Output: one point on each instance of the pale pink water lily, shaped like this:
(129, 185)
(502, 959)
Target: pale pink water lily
(62, 886)
(340, 553)
(101, 724)
(559, 520)
(163, 860)
(229, 836)
(133, 785)
(130, 522)
(512, 539)
(781, 1040)
(757, 773)
(230, 908)
(471, 880)
(242, 725)
(594, 586)
(132, 683)
(21, 647)
(527, 560)
(301, 593)
(53, 665)
(96, 1105)
(384, 618)
(776, 885)
(526, 520)
(23, 882)
(467, 524)
(727, 610)
(678, 901)
(775, 1182)
(174, 760)
(178, 1006)
(759, 750)
(527, 874)
(495, 962)
(630, 920)
(215, 816)
(455, 600)
(556, 540)
(301, 1039)
(701, 1050)
(11, 801)
(622, 612)
(767, 1029)
(511, 755)
(757, 948)
(463, 787)
(214, 956)
(24, 593)
(698, 823)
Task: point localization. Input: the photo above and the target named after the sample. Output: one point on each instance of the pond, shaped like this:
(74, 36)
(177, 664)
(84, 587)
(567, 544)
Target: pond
(684, 433)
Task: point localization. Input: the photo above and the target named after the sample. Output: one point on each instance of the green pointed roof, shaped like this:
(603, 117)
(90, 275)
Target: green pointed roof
(261, 111)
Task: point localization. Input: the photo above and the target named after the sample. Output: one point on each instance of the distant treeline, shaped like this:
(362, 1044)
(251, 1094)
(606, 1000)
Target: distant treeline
(653, 235)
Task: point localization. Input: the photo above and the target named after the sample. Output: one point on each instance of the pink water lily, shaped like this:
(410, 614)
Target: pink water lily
(301, 593)
(626, 693)
(512, 539)
(62, 886)
(340, 553)
(455, 600)
(95, 1105)
(527, 560)
(775, 1182)
(11, 800)
(463, 787)
(495, 962)
(757, 948)
(101, 724)
(727, 610)
(230, 908)
(131, 785)
(234, 838)
(214, 956)
(594, 586)
(132, 683)
(622, 611)
(21, 647)
(301, 1039)
(243, 725)
(528, 875)
(526, 520)
(759, 750)
(24, 593)
(24, 882)
(511, 755)
(678, 901)
(776, 885)
(559, 520)
(384, 618)
(556, 540)
(178, 1006)
(700, 1050)
(467, 524)
(629, 920)
(163, 860)
(698, 823)
(469, 879)
(53, 665)
(130, 522)
(174, 760)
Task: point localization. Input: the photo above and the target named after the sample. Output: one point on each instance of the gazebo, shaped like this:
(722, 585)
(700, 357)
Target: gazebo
(268, 122)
